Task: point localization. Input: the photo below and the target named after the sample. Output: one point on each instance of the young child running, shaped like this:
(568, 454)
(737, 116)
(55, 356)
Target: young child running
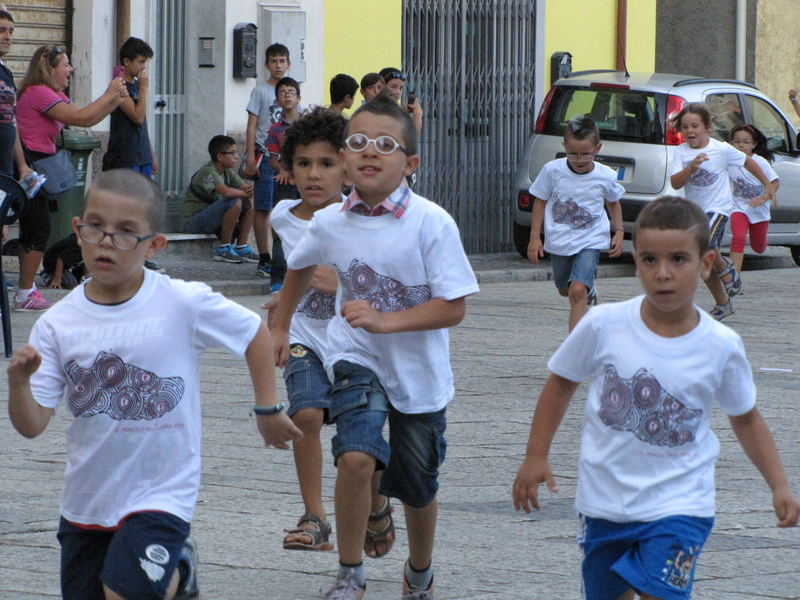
(701, 166)
(657, 364)
(123, 350)
(403, 280)
(570, 194)
(750, 207)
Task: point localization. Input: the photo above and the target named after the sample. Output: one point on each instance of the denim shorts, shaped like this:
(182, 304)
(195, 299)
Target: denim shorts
(716, 223)
(137, 560)
(263, 186)
(580, 267)
(656, 558)
(209, 219)
(146, 170)
(307, 383)
(416, 448)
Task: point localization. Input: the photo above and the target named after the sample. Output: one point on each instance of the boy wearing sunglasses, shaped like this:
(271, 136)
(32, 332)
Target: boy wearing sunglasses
(123, 351)
(403, 280)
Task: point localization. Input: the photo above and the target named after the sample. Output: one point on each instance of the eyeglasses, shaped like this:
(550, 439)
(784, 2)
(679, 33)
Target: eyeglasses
(394, 75)
(122, 241)
(287, 94)
(234, 152)
(580, 157)
(384, 144)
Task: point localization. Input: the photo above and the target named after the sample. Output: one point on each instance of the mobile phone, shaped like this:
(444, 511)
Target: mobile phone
(412, 97)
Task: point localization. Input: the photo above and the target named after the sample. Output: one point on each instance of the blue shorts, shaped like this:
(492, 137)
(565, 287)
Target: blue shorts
(656, 558)
(146, 170)
(307, 383)
(138, 560)
(716, 223)
(209, 219)
(416, 449)
(263, 186)
(580, 267)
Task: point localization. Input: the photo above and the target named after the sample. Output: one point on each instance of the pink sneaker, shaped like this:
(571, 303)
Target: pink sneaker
(34, 302)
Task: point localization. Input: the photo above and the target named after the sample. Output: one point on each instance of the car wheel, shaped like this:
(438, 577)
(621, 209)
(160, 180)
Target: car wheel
(795, 250)
(522, 236)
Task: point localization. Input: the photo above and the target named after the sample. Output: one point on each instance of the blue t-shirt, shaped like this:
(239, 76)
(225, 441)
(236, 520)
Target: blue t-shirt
(128, 143)
(7, 127)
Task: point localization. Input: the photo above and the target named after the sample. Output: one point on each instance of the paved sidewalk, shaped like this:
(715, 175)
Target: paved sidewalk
(484, 549)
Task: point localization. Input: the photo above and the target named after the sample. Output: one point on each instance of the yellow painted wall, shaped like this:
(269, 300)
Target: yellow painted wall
(361, 36)
(588, 31)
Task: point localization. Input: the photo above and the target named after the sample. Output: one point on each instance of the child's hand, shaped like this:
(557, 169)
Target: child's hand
(271, 306)
(616, 243)
(55, 284)
(283, 177)
(792, 95)
(360, 313)
(280, 342)
(531, 473)
(144, 79)
(535, 250)
(698, 160)
(250, 169)
(278, 430)
(786, 506)
(25, 362)
(325, 280)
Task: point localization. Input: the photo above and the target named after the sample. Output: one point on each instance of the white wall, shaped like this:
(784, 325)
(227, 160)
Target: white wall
(93, 53)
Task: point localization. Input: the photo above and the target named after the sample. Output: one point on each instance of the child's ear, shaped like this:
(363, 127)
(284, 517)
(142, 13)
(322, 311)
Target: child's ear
(412, 162)
(706, 264)
(75, 221)
(157, 243)
(598, 147)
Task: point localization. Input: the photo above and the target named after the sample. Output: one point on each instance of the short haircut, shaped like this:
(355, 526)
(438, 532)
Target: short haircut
(370, 79)
(276, 50)
(671, 212)
(383, 105)
(696, 108)
(132, 48)
(4, 14)
(581, 128)
(342, 86)
(130, 184)
(219, 143)
(320, 125)
(390, 73)
(287, 82)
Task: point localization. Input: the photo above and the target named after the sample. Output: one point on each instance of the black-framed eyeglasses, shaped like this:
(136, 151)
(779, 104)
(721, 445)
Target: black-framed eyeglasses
(287, 94)
(122, 241)
(394, 75)
(384, 144)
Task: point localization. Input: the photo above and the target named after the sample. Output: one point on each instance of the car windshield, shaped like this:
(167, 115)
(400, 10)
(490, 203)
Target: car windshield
(622, 115)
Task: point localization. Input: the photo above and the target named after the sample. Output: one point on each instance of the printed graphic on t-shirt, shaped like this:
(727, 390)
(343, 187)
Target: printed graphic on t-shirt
(744, 189)
(703, 178)
(385, 294)
(570, 213)
(640, 406)
(7, 97)
(678, 570)
(123, 392)
(317, 305)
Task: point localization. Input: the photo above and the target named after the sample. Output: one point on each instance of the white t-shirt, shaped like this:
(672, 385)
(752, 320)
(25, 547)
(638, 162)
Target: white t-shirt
(647, 449)
(316, 309)
(709, 186)
(130, 377)
(575, 216)
(394, 264)
(745, 187)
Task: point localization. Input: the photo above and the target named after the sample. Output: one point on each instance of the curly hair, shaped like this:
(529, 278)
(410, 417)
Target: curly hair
(320, 125)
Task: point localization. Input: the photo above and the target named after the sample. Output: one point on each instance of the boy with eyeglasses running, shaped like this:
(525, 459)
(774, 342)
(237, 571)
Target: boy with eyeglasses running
(123, 350)
(403, 280)
(570, 194)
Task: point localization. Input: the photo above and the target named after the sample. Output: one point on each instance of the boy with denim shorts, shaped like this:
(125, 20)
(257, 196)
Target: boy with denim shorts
(123, 350)
(403, 280)
(570, 194)
(657, 365)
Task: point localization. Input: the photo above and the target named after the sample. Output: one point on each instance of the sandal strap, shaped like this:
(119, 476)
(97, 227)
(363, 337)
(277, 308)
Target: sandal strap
(382, 513)
(322, 526)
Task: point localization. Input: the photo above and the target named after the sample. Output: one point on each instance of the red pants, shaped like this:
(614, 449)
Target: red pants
(739, 228)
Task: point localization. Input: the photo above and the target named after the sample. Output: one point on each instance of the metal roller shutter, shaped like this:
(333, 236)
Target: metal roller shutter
(37, 22)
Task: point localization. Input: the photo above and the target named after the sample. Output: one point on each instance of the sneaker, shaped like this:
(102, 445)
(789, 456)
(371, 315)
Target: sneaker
(734, 286)
(247, 254)
(263, 270)
(591, 299)
(346, 589)
(275, 288)
(32, 303)
(226, 254)
(720, 311)
(412, 593)
(154, 267)
(189, 589)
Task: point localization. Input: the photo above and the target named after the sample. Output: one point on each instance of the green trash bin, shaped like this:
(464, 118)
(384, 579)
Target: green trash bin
(80, 144)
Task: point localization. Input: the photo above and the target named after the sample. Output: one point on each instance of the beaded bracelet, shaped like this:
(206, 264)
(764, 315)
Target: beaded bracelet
(262, 411)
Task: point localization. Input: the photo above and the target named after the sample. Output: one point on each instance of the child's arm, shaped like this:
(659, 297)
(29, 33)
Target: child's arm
(137, 111)
(294, 287)
(755, 437)
(681, 178)
(535, 469)
(755, 170)
(615, 210)
(324, 280)
(794, 101)
(231, 192)
(754, 202)
(281, 175)
(535, 247)
(250, 168)
(436, 313)
(28, 416)
(155, 159)
(59, 271)
(277, 429)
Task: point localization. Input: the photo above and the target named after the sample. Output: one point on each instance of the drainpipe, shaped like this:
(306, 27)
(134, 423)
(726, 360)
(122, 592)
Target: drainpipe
(123, 22)
(622, 34)
(741, 39)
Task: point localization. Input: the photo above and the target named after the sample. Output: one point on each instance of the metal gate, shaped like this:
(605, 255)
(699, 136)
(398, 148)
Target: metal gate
(169, 113)
(471, 63)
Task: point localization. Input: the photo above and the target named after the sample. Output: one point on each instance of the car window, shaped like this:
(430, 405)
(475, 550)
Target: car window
(726, 113)
(621, 115)
(770, 122)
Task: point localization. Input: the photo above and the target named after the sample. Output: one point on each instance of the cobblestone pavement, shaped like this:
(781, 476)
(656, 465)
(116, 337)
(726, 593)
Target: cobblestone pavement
(484, 549)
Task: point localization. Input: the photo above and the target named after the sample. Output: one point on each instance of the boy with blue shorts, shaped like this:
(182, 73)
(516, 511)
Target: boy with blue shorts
(403, 280)
(123, 351)
(570, 194)
(657, 364)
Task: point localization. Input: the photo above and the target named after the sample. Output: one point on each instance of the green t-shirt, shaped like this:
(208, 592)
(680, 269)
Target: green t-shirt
(201, 192)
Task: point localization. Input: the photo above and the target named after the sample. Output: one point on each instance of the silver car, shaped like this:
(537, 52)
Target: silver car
(633, 112)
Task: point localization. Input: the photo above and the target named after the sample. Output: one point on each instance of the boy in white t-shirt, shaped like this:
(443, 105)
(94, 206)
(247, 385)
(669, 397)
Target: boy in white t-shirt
(403, 280)
(570, 198)
(645, 492)
(124, 349)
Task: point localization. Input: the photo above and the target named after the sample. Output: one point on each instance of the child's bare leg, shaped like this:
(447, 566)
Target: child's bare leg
(245, 225)
(353, 501)
(578, 302)
(383, 544)
(714, 283)
(229, 220)
(421, 525)
(737, 258)
(261, 229)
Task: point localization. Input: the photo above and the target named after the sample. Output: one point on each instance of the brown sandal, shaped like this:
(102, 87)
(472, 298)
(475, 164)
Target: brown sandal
(320, 537)
(384, 537)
